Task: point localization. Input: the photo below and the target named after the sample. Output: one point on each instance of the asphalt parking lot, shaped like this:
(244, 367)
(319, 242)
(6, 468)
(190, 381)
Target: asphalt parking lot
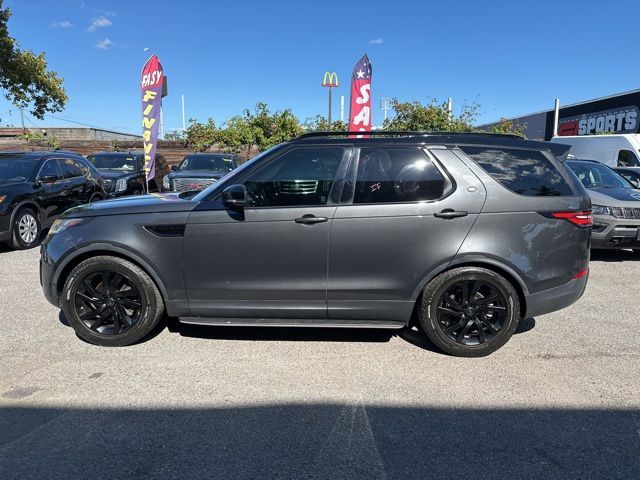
(560, 400)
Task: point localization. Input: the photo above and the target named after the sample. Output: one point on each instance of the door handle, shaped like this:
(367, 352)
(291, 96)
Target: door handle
(449, 213)
(310, 219)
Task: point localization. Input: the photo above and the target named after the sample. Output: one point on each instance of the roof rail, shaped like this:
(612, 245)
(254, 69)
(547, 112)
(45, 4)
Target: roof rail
(390, 133)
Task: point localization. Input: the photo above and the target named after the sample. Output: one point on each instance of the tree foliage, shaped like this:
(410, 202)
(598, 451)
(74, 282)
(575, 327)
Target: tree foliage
(24, 75)
(319, 123)
(505, 126)
(200, 136)
(435, 116)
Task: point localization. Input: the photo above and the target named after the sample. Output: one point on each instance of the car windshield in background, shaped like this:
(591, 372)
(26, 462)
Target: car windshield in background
(217, 162)
(596, 175)
(16, 169)
(113, 162)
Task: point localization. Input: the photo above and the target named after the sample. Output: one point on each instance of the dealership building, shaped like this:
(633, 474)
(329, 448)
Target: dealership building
(614, 114)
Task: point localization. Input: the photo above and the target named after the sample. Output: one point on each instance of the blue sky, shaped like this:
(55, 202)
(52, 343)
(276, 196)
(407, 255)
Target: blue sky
(511, 57)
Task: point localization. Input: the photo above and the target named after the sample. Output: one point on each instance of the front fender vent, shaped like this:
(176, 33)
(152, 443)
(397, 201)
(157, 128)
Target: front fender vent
(166, 230)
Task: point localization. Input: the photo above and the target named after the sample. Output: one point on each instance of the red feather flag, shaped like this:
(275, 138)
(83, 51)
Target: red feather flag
(360, 108)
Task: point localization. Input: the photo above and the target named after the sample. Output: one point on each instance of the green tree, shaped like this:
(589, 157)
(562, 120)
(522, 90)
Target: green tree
(201, 136)
(435, 117)
(24, 75)
(507, 126)
(319, 123)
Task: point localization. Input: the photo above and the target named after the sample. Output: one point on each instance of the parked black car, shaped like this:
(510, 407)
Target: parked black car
(631, 174)
(464, 233)
(122, 172)
(198, 171)
(37, 187)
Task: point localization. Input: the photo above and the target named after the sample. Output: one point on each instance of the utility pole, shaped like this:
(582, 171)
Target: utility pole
(22, 118)
(161, 123)
(556, 116)
(385, 105)
(184, 123)
(342, 108)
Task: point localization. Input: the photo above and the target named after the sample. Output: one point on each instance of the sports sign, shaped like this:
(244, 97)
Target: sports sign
(615, 120)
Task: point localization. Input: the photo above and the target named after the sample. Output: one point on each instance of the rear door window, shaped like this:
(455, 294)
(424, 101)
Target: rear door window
(50, 171)
(526, 172)
(397, 175)
(70, 168)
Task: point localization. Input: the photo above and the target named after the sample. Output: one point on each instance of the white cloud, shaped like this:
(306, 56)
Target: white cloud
(376, 41)
(62, 24)
(99, 22)
(104, 44)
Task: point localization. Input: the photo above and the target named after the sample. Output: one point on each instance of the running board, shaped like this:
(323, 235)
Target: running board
(291, 322)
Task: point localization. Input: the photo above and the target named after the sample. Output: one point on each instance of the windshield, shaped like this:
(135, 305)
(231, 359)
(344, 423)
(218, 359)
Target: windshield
(113, 162)
(16, 169)
(206, 162)
(210, 190)
(596, 175)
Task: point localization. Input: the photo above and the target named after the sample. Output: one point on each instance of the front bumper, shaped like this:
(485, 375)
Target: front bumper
(557, 298)
(611, 232)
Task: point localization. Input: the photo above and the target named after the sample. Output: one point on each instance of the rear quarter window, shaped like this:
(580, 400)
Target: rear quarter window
(526, 172)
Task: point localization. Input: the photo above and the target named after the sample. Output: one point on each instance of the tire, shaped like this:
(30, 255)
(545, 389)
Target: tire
(137, 192)
(490, 316)
(26, 229)
(108, 316)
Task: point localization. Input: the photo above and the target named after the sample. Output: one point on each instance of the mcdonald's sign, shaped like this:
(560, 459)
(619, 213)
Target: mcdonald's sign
(330, 79)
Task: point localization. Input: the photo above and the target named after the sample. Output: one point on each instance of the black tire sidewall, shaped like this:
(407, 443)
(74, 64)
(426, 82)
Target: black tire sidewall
(16, 240)
(433, 292)
(152, 302)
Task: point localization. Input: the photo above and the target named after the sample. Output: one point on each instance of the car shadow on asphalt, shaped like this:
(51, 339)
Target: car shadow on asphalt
(317, 440)
(412, 335)
(614, 256)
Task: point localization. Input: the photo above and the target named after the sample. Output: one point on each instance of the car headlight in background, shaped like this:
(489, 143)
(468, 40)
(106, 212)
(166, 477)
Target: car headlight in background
(165, 183)
(61, 225)
(600, 210)
(121, 185)
(2, 198)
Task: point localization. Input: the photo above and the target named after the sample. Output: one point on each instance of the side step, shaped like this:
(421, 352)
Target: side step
(292, 322)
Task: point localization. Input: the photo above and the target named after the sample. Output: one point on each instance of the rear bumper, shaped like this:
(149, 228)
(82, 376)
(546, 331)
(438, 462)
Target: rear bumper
(556, 298)
(610, 232)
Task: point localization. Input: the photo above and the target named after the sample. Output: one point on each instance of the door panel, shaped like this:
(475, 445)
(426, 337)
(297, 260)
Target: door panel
(270, 259)
(260, 264)
(379, 253)
(50, 194)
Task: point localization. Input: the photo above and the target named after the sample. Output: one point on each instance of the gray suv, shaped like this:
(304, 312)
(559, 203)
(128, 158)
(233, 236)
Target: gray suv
(463, 234)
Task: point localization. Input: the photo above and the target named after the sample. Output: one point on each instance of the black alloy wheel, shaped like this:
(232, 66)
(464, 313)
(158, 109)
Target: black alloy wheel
(471, 312)
(108, 303)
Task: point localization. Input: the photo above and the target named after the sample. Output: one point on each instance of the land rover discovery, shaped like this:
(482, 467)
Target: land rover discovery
(464, 234)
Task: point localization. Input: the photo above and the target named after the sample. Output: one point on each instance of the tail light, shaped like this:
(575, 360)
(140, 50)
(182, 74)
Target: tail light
(581, 273)
(581, 219)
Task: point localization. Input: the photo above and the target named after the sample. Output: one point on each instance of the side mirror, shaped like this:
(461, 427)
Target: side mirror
(174, 168)
(235, 197)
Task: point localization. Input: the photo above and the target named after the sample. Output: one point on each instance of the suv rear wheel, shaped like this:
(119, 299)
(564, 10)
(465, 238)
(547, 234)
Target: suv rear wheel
(110, 301)
(469, 311)
(26, 229)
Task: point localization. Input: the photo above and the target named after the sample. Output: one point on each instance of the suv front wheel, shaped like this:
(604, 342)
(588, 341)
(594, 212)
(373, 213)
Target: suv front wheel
(469, 311)
(110, 301)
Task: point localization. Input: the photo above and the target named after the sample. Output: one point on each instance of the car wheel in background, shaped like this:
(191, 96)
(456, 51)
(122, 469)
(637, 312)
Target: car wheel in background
(469, 311)
(110, 301)
(137, 192)
(96, 197)
(26, 229)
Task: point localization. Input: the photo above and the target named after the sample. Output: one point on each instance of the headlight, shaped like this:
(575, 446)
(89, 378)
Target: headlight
(61, 225)
(121, 185)
(600, 210)
(2, 198)
(165, 183)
